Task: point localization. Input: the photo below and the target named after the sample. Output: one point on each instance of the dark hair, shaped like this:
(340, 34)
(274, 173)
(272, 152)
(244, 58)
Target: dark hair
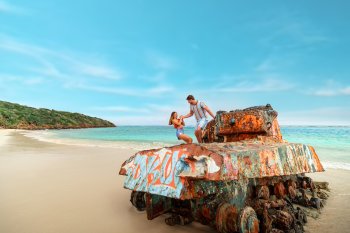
(190, 97)
(171, 118)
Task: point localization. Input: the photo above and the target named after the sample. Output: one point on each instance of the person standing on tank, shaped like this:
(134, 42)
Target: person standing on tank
(199, 109)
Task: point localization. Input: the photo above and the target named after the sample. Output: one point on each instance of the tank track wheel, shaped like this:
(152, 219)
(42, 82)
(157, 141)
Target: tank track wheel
(249, 222)
(226, 218)
(138, 200)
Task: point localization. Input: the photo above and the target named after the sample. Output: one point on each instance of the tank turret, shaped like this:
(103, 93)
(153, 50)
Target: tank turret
(249, 123)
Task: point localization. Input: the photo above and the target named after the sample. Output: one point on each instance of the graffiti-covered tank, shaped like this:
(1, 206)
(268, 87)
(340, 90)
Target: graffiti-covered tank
(243, 178)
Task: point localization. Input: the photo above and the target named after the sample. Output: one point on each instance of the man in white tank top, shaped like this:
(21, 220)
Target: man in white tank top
(199, 109)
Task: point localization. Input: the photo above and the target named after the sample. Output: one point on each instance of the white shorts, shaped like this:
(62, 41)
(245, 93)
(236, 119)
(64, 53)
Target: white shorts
(202, 123)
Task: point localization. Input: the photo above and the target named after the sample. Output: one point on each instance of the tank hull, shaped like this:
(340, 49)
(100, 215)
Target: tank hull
(187, 171)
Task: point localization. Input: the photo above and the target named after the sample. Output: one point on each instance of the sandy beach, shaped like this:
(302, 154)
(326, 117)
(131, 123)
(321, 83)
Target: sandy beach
(48, 187)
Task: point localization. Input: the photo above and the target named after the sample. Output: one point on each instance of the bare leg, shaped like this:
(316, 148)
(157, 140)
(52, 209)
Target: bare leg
(204, 132)
(198, 134)
(186, 138)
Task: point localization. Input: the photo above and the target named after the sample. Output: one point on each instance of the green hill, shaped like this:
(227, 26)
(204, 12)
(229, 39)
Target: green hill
(16, 116)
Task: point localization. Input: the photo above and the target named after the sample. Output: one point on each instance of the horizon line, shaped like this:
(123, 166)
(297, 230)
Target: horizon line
(308, 125)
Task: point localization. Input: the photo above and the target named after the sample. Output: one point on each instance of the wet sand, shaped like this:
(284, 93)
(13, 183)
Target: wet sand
(47, 187)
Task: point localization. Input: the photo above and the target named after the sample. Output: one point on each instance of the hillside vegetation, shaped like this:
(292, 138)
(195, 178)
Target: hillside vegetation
(16, 116)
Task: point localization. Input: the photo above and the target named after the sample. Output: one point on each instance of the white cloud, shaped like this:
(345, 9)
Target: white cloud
(76, 72)
(276, 62)
(303, 33)
(10, 8)
(163, 109)
(330, 88)
(108, 90)
(99, 71)
(160, 90)
(266, 65)
(155, 91)
(158, 77)
(345, 91)
(324, 92)
(289, 31)
(140, 120)
(155, 119)
(161, 61)
(317, 116)
(26, 80)
(256, 85)
(327, 92)
(119, 109)
(53, 63)
(34, 81)
(160, 108)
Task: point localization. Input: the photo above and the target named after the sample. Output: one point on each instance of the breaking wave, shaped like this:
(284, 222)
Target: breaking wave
(336, 165)
(332, 144)
(47, 136)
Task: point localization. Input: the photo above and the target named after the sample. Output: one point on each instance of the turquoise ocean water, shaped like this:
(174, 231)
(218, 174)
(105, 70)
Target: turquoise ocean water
(332, 144)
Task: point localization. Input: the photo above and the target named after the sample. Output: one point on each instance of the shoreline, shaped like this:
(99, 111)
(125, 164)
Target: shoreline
(48, 187)
(44, 136)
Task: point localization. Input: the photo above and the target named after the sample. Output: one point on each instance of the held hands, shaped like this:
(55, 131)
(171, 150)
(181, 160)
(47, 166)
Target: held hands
(182, 122)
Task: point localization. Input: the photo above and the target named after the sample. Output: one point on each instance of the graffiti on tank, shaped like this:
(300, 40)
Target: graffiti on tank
(244, 176)
(155, 169)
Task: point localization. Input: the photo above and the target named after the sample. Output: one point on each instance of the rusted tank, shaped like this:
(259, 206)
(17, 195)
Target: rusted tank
(244, 178)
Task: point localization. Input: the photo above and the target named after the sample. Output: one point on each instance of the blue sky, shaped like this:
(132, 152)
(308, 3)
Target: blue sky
(134, 62)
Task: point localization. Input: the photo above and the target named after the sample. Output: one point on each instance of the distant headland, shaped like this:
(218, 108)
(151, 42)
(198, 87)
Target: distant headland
(16, 116)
